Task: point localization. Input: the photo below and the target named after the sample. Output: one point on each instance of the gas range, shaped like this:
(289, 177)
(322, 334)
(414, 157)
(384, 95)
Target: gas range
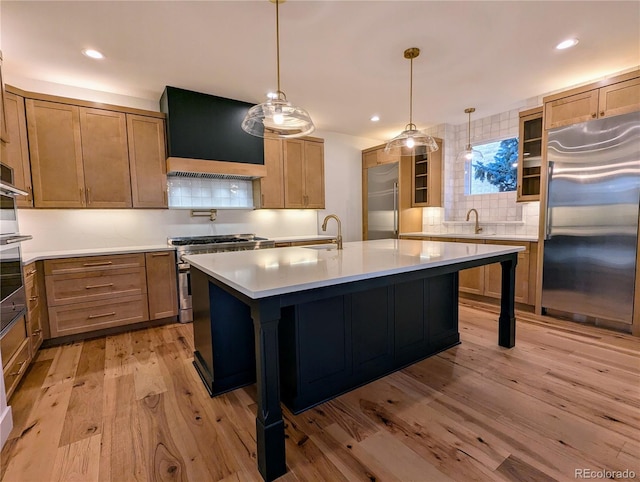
(216, 244)
(207, 244)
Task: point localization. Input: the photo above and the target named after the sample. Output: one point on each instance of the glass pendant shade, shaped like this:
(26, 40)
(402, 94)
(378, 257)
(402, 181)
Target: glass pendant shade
(469, 155)
(411, 137)
(278, 117)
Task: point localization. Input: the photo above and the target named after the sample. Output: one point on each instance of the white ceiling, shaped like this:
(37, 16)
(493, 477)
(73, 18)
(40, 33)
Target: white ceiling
(341, 60)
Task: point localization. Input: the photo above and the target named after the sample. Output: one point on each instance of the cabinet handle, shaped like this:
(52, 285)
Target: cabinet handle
(83, 199)
(593, 115)
(36, 332)
(33, 298)
(30, 196)
(91, 317)
(101, 263)
(107, 285)
(32, 271)
(89, 196)
(160, 254)
(602, 113)
(20, 365)
(164, 196)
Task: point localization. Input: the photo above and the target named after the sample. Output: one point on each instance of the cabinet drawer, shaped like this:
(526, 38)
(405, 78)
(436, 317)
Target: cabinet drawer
(14, 370)
(93, 263)
(29, 271)
(84, 317)
(12, 340)
(78, 287)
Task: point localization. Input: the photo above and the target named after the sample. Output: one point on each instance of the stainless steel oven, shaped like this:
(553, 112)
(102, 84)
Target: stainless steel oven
(13, 304)
(207, 244)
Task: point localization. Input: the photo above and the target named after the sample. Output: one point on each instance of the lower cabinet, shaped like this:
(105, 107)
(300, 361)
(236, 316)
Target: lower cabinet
(36, 305)
(310, 242)
(16, 354)
(97, 292)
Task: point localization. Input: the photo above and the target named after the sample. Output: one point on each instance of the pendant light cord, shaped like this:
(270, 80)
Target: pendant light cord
(278, 43)
(469, 133)
(411, 93)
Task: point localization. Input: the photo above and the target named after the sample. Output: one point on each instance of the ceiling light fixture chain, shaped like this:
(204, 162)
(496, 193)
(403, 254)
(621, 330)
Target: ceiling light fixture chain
(411, 136)
(277, 117)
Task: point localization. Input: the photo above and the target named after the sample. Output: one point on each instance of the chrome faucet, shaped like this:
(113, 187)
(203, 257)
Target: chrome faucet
(477, 228)
(324, 228)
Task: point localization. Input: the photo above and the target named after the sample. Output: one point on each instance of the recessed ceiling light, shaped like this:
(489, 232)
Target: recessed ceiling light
(566, 44)
(375, 118)
(94, 54)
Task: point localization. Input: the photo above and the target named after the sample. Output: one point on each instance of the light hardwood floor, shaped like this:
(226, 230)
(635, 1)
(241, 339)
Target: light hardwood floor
(132, 408)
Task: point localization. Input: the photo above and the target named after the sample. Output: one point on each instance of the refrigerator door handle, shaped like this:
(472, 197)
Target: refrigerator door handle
(395, 208)
(548, 223)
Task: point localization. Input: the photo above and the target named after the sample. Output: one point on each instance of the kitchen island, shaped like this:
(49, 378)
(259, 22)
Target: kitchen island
(307, 324)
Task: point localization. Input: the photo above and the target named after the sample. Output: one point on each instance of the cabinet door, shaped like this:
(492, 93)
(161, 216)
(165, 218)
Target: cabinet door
(530, 156)
(471, 280)
(314, 174)
(572, 109)
(271, 186)
(147, 161)
(4, 134)
(620, 98)
(294, 195)
(162, 288)
(34, 307)
(105, 158)
(16, 153)
(493, 275)
(56, 154)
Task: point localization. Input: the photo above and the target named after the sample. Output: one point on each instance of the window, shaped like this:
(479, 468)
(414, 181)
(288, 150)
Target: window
(497, 172)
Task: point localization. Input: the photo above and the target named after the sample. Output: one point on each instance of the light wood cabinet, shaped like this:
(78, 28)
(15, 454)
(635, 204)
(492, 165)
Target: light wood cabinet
(272, 185)
(303, 162)
(375, 156)
(16, 354)
(105, 158)
(615, 96)
(295, 174)
(16, 150)
(310, 242)
(147, 161)
(55, 149)
(426, 168)
(493, 274)
(530, 155)
(95, 292)
(36, 306)
(161, 284)
(4, 134)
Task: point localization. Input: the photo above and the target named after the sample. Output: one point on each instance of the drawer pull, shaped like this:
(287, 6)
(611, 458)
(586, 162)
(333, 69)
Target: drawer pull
(17, 373)
(107, 285)
(91, 317)
(36, 332)
(102, 263)
(33, 298)
(160, 254)
(32, 271)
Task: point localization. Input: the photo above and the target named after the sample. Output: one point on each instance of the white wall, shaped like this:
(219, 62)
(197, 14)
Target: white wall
(343, 182)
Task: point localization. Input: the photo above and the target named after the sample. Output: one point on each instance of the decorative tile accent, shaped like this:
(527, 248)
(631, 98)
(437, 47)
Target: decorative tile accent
(210, 193)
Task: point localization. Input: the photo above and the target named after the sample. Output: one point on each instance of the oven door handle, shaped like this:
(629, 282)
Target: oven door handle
(15, 239)
(11, 190)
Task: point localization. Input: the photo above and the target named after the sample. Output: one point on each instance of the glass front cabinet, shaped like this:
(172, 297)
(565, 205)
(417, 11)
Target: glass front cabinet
(530, 155)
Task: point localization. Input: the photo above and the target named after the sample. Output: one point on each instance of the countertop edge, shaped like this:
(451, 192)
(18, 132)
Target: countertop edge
(487, 237)
(30, 257)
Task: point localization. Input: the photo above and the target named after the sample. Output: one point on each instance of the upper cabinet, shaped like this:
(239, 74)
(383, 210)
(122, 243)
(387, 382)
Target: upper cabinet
(16, 150)
(147, 161)
(4, 135)
(426, 179)
(615, 96)
(530, 155)
(82, 156)
(295, 173)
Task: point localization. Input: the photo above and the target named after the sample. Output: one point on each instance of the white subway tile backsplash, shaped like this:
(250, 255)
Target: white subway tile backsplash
(210, 193)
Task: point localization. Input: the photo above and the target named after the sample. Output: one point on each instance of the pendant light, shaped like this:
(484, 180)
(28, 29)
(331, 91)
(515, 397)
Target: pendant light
(411, 137)
(277, 116)
(469, 154)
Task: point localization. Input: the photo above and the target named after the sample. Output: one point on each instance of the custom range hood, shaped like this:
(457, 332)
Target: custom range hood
(205, 137)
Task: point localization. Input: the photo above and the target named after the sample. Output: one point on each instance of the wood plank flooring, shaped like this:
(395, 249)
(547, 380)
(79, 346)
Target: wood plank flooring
(132, 408)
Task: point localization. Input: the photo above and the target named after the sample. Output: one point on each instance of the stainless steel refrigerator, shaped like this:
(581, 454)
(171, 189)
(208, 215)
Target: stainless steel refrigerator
(590, 247)
(382, 201)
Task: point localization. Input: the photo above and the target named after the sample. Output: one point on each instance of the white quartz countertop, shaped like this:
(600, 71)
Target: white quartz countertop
(269, 272)
(305, 237)
(30, 257)
(494, 237)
